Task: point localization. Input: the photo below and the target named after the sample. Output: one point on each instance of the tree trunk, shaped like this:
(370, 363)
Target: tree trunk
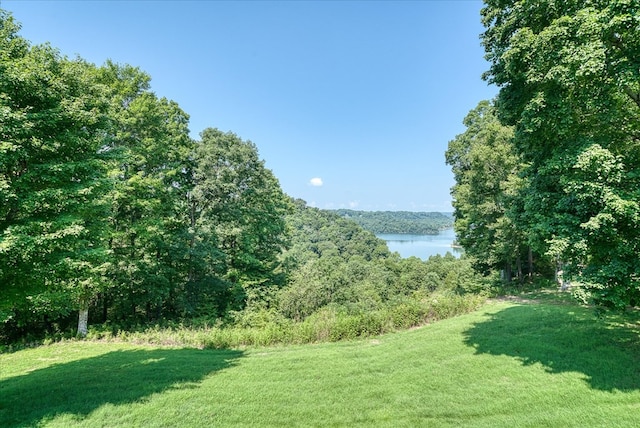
(530, 264)
(83, 319)
(519, 265)
(105, 309)
(507, 271)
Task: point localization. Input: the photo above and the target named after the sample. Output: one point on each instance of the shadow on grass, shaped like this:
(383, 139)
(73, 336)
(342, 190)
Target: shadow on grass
(564, 339)
(80, 387)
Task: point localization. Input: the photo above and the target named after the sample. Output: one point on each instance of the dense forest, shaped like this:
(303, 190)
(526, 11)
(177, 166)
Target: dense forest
(547, 174)
(112, 216)
(417, 223)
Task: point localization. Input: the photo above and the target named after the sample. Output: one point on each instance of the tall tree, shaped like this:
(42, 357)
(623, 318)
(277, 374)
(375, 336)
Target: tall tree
(486, 168)
(241, 203)
(151, 183)
(53, 128)
(569, 77)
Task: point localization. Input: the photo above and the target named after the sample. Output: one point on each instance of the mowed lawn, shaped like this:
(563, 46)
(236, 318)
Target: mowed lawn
(509, 364)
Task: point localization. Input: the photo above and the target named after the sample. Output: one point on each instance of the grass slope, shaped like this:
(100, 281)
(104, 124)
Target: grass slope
(509, 364)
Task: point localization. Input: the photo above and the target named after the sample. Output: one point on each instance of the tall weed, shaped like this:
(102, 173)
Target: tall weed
(329, 324)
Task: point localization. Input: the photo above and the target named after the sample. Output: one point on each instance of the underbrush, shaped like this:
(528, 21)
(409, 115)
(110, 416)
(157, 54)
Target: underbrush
(329, 324)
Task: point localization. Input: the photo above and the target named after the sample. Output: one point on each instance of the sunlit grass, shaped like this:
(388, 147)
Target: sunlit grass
(509, 365)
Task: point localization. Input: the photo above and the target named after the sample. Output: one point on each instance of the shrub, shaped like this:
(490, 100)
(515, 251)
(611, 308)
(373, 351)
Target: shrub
(330, 323)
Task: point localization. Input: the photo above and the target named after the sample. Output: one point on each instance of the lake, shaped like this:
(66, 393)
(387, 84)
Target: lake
(422, 246)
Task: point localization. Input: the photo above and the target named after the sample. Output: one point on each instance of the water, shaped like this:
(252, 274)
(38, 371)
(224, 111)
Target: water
(422, 246)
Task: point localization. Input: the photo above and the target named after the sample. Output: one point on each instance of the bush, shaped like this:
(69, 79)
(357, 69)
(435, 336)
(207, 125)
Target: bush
(329, 324)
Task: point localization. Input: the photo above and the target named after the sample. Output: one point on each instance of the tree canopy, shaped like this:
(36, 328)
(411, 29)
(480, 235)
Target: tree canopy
(486, 171)
(569, 79)
(107, 203)
(54, 163)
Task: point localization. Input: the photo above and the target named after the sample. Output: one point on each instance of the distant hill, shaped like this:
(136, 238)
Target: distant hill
(407, 222)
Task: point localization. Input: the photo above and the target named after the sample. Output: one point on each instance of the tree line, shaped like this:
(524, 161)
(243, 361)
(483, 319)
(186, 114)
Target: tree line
(547, 174)
(111, 215)
(107, 203)
(401, 222)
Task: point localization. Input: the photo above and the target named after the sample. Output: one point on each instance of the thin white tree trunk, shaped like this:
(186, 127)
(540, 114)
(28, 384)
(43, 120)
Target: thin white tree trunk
(83, 319)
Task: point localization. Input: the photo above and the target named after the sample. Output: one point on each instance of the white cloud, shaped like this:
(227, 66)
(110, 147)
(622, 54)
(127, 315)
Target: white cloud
(316, 181)
(354, 204)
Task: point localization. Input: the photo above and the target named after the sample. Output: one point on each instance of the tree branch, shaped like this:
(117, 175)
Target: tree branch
(635, 96)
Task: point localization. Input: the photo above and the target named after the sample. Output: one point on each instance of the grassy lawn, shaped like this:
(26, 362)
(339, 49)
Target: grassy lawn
(509, 364)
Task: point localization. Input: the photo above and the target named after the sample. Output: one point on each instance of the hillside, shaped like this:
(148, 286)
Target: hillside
(402, 222)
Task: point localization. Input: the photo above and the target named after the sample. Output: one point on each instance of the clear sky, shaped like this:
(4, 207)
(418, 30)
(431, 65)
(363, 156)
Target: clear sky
(350, 103)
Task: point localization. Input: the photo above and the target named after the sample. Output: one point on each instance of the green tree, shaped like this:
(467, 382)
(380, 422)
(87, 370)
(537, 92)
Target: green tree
(486, 167)
(150, 185)
(569, 78)
(53, 129)
(241, 204)
(428, 223)
(334, 261)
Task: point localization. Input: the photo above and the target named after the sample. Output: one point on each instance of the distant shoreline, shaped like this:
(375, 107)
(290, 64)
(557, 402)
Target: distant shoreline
(422, 245)
(400, 222)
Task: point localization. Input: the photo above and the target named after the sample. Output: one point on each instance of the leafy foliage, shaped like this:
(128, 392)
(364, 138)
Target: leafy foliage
(569, 82)
(486, 194)
(53, 179)
(150, 181)
(107, 203)
(335, 263)
(331, 260)
(241, 204)
(109, 210)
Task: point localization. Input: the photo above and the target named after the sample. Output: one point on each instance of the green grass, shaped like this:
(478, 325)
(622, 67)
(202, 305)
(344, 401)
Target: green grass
(509, 364)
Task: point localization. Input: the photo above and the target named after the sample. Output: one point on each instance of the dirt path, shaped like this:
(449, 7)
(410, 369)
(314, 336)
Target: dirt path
(515, 299)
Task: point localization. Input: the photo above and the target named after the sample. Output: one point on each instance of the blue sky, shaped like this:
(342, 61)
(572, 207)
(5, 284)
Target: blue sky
(351, 104)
